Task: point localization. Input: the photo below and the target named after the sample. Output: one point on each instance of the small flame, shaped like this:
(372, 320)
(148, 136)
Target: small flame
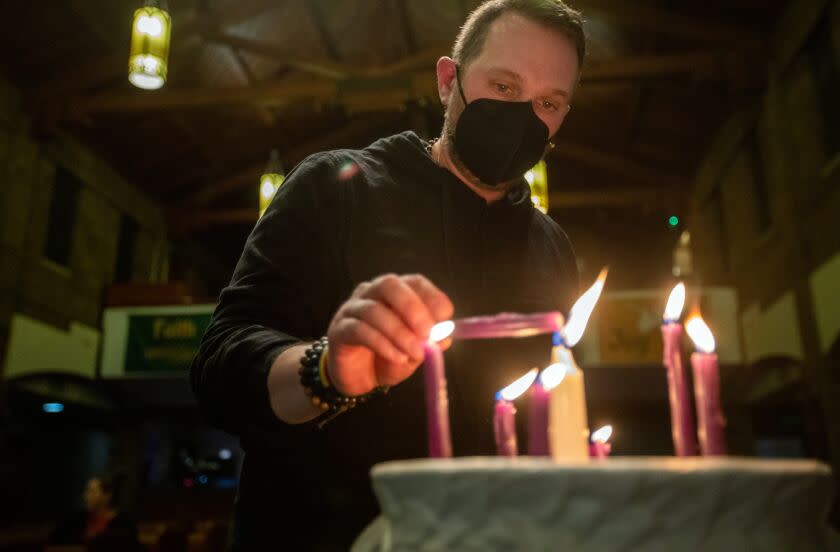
(602, 435)
(582, 309)
(512, 391)
(700, 334)
(553, 375)
(676, 300)
(441, 331)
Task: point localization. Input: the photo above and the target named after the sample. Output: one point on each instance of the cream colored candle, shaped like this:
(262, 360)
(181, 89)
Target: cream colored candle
(568, 428)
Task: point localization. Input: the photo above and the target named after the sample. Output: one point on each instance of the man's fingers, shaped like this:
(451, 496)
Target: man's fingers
(352, 331)
(437, 301)
(386, 322)
(404, 301)
(392, 373)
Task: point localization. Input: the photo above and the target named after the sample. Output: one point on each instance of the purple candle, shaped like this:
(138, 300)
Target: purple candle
(538, 420)
(437, 399)
(504, 414)
(508, 324)
(682, 419)
(704, 363)
(504, 428)
(599, 446)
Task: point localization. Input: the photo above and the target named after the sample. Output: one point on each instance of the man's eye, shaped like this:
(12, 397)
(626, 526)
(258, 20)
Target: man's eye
(500, 87)
(549, 106)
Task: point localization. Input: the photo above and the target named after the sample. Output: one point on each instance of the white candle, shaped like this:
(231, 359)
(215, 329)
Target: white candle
(568, 429)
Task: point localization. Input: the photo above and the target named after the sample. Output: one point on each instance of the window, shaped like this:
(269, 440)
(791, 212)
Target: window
(820, 50)
(62, 216)
(761, 198)
(125, 249)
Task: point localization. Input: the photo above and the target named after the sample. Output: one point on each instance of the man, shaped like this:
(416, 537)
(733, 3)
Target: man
(370, 248)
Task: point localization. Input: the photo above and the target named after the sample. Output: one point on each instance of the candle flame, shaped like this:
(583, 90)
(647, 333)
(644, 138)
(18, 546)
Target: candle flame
(553, 375)
(602, 435)
(582, 309)
(512, 391)
(676, 301)
(441, 331)
(700, 334)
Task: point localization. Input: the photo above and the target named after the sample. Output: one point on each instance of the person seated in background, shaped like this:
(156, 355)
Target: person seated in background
(101, 525)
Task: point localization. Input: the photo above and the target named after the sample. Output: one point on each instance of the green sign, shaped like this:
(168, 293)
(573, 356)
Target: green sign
(163, 342)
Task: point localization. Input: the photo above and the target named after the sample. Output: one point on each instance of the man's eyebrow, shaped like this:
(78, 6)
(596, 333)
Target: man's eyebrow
(506, 72)
(515, 76)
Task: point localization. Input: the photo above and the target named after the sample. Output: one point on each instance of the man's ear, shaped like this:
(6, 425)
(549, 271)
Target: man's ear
(445, 78)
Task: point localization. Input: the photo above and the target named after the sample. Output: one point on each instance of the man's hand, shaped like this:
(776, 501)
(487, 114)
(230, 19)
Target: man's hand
(376, 337)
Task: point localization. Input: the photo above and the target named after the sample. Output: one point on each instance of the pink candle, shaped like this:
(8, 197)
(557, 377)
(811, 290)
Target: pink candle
(599, 450)
(504, 414)
(508, 325)
(599, 445)
(538, 421)
(504, 428)
(437, 399)
(682, 419)
(704, 363)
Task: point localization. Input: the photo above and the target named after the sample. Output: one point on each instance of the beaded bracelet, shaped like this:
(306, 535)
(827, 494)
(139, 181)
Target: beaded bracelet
(314, 377)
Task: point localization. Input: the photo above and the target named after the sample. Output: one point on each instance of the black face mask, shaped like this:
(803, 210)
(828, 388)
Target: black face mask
(499, 141)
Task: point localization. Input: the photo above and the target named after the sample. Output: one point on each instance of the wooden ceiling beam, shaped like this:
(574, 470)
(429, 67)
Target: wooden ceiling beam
(186, 221)
(361, 95)
(629, 67)
(657, 21)
(653, 66)
(317, 16)
(614, 196)
(618, 164)
(265, 113)
(353, 131)
(186, 27)
(407, 27)
(325, 68)
(374, 90)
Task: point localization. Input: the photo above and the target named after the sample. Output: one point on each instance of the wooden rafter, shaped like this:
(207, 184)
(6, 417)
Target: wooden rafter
(351, 132)
(659, 65)
(370, 95)
(326, 68)
(617, 164)
(640, 16)
(374, 90)
(614, 196)
(407, 27)
(185, 221)
(317, 16)
(265, 114)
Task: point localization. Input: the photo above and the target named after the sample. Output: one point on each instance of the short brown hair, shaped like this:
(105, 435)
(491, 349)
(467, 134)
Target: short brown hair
(551, 13)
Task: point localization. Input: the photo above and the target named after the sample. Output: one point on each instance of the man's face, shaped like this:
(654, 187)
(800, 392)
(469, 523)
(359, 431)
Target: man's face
(521, 60)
